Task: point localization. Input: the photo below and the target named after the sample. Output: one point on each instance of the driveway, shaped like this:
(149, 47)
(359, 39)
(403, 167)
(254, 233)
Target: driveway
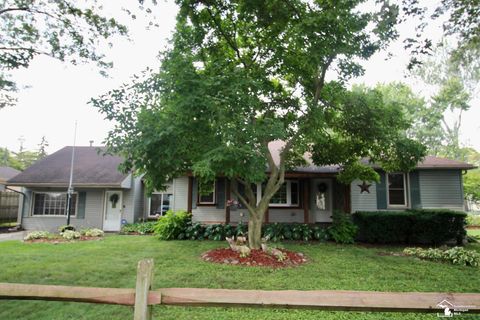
(19, 235)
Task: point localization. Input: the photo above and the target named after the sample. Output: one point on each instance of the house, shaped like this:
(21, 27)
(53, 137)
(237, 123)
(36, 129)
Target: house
(104, 197)
(9, 198)
(7, 173)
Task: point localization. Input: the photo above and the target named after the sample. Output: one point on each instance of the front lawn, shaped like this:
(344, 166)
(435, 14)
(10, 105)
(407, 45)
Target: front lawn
(112, 263)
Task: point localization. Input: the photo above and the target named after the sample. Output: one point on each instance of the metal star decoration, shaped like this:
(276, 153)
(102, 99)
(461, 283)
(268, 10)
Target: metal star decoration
(364, 187)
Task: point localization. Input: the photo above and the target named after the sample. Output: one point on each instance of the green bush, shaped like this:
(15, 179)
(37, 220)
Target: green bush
(139, 227)
(473, 220)
(410, 226)
(70, 235)
(273, 232)
(172, 225)
(342, 230)
(94, 232)
(194, 231)
(39, 235)
(455, 255)
(320, 233)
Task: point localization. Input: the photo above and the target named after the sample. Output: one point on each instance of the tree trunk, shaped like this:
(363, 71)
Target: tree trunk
(255, 230)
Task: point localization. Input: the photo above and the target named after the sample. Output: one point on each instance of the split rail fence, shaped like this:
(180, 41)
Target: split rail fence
(143, 297)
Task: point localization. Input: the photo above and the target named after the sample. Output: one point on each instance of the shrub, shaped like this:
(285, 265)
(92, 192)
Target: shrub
(39, 235)
(139, 227)
(194, 231)
(70, 235)
(411, 226)
(473, 220)
(215, 232)
(273, 232)
(455, 255)
(92, 232)
(342, 229)
(172, 224)
(320, 233)
(66, 227)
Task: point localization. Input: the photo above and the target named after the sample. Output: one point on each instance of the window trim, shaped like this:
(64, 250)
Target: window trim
(32, 209)
(289, 204)
(214, 198)
(406, 184)
(150, 202)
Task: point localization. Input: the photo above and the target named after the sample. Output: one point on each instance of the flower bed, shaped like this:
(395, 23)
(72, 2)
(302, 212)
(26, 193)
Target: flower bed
(66, 235)
(256, 258)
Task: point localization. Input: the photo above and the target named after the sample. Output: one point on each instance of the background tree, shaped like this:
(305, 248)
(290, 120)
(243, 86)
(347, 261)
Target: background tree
(241, 74)
(62, 29)
(461, 24)
(42, 146)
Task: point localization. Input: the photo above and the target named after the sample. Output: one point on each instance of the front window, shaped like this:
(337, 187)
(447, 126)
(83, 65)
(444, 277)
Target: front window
(53, 204)
(287, 195)
(397, 194)
(160, 203)
(206, 193)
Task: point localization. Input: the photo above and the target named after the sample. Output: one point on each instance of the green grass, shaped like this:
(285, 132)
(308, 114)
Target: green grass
(473, 232)
(112, 263)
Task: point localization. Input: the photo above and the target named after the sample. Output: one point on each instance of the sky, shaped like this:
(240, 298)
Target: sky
(57, 95)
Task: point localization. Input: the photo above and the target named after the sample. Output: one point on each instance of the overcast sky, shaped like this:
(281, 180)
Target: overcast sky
(58, 93)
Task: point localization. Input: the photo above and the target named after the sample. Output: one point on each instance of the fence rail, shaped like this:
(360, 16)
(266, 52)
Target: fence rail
(143, 297)
(8, 206)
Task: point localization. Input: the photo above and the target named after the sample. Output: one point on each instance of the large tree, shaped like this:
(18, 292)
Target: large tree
(62, 29)
(241, 74)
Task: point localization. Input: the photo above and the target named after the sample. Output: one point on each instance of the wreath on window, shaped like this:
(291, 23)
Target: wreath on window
(322, 187)
(114, 199)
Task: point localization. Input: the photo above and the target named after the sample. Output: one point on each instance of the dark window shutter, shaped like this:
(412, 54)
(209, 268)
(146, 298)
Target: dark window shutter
(220, 193)
(382, 192)
(415, 190)
(194, 193)
(82, 199)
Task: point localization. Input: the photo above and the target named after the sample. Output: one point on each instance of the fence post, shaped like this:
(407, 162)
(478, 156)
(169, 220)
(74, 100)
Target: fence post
(144, 283)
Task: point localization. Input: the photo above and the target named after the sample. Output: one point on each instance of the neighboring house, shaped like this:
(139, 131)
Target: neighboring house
(7, 173)
(309, 195)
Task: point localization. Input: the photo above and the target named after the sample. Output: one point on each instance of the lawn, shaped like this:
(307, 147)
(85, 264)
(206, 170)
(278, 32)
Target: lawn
(112, 263)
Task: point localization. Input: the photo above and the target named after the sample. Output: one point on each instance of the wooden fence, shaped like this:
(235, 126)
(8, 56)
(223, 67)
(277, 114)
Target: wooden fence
(9, 206)
(143, 297)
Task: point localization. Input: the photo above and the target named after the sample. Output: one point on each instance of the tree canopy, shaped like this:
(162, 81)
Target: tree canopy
(241, 74)
(62, 29)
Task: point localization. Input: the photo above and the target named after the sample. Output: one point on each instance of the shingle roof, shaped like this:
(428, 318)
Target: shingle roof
(7, 173)
(91, 168)
(430, 162)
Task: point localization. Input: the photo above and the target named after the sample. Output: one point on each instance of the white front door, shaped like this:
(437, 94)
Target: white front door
(322, 204)
(113, 211)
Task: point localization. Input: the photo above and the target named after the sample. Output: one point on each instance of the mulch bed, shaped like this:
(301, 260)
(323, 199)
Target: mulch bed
(61, 240)
(256, 258)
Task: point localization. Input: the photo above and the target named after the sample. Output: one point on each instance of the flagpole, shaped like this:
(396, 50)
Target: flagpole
(70, 188)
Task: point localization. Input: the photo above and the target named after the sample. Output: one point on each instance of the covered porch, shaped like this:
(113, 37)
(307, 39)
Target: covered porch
(304, 198)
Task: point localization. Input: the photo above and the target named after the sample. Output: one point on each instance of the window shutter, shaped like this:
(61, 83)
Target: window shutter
(194, 193)
(415, 190)
(82, 199)
(220, 193)
(382, 192)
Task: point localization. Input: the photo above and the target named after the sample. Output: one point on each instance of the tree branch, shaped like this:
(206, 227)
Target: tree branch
(13, 9)
(232, 45)
(320, 81)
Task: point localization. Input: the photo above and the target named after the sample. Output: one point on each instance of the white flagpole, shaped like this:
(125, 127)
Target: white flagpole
(70, 188)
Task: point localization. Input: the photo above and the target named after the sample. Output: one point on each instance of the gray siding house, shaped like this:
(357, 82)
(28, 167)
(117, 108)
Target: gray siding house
(105, 198)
